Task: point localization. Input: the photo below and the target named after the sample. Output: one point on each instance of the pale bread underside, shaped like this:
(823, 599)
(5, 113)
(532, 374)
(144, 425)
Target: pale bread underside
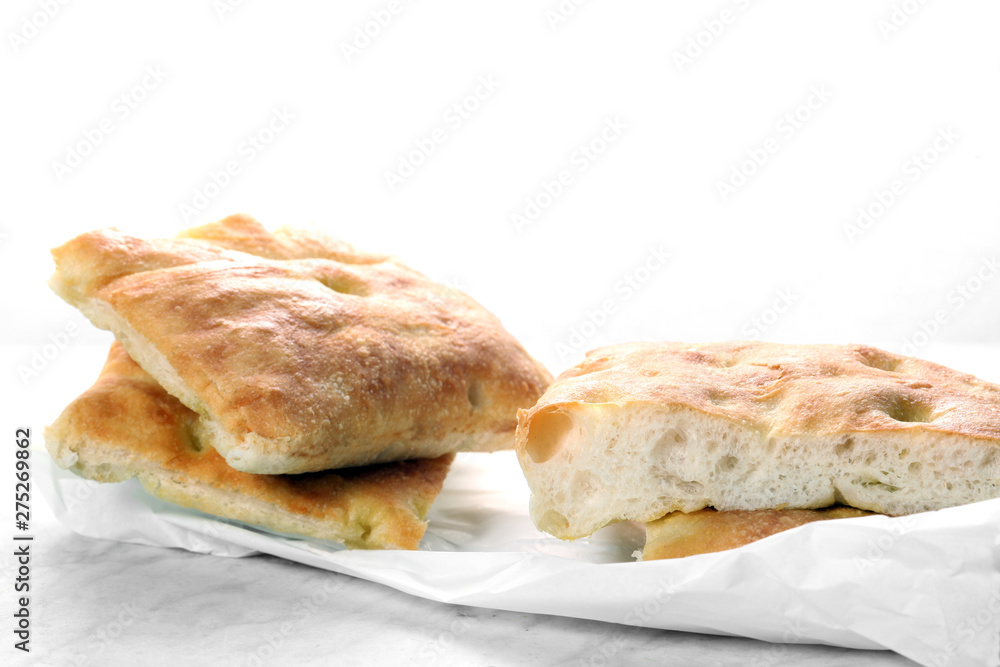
(681, 534)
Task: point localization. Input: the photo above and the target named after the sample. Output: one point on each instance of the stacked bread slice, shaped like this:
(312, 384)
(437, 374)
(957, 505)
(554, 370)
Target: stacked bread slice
(284, 379)
(718, 444)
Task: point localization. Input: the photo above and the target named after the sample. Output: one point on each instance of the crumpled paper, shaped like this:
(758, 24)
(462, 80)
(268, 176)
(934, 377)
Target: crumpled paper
(926, 586)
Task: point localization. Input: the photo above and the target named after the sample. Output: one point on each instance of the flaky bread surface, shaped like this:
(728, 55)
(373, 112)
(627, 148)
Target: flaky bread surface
(312, 357)
(126, 425)
(639, 430)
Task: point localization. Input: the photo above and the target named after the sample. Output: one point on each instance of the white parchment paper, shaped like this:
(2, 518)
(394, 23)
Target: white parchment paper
(926, 586)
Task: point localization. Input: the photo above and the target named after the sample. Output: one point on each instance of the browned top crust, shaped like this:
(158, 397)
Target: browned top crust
(339, 359)
(126, 426)
(785, 389)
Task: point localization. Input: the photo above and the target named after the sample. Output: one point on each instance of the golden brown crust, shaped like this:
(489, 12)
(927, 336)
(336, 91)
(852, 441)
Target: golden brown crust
(304, 364)
(126, 426)
(785, 389)
(681, 534)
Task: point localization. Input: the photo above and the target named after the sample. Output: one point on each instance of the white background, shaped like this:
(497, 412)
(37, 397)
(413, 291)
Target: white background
(697, 89)
(687, 125)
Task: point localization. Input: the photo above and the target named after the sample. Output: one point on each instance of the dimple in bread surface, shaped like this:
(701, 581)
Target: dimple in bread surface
(311, 357)
(651, 428)
(126, 425)
(786, 389)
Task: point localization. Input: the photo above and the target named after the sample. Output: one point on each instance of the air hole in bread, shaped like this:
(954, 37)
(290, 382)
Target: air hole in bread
(585, 483)
(717, 397)
(680, 485)
(552, 521)
(915, 467)
(844, 449)
(691, 488)
(990, 459)
(727, 463)
(476, 394)
(879, 361)
(342, 284)
(668, 443)
(192, 439)
(907, 411)
(870, 483)
(545, 439)
(673, 435)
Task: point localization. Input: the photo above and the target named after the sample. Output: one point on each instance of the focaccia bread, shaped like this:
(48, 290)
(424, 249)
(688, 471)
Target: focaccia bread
(313, 357)
(127, 425)
(681, 534)
(639, 430)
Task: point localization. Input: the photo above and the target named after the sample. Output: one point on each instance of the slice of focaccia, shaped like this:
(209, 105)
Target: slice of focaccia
(639, 430)
(681, 534)
(127, 425)
(310, 357)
